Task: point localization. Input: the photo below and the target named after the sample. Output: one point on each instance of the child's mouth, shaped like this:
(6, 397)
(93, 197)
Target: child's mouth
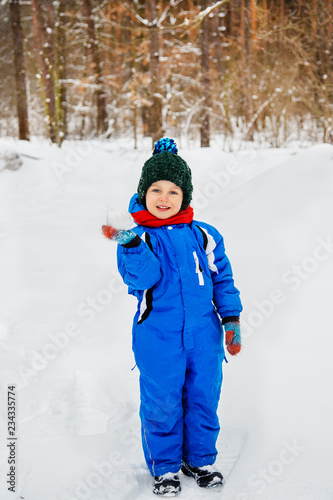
(162, 208)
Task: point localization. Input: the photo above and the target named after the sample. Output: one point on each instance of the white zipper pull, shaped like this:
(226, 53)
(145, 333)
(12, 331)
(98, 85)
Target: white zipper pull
(197, 269)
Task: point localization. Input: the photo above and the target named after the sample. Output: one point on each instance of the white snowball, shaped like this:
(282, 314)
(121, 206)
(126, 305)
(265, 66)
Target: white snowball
(119, 219)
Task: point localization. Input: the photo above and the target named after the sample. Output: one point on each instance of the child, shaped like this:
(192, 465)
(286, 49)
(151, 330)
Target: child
(178, 270)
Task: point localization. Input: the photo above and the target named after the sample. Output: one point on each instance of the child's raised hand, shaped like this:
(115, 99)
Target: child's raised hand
(233, 337)
(119, 235)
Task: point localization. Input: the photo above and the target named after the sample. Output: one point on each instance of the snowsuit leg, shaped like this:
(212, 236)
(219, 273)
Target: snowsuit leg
(162, 376)
(201, 394)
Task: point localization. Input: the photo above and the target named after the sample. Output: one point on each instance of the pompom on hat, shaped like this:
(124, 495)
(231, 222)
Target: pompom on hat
(166, 165)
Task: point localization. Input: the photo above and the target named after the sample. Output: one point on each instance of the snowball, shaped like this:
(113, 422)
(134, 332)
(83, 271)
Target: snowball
(119, 219)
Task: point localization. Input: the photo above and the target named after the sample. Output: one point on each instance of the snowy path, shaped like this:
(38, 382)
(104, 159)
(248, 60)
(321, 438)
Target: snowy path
(65, 323)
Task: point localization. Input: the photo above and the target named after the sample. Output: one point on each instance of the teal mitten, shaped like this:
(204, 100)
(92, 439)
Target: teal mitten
(233, 337)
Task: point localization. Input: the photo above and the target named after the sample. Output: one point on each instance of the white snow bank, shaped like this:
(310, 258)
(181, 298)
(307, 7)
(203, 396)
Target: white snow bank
(10, 160)
(66, 318)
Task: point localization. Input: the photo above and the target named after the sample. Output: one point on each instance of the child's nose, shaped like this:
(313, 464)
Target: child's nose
(164, 197)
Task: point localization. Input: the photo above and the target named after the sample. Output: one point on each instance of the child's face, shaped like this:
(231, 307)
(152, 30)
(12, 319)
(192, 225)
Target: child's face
(164, 199)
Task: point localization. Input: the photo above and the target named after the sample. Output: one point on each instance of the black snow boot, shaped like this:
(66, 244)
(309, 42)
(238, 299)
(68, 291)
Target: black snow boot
(167, 485)
(206, 477)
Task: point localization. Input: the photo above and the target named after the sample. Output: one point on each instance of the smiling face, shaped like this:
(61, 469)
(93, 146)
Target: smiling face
(164, 199)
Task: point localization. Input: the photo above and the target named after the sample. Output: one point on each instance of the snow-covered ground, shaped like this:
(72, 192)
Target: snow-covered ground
(65, 322)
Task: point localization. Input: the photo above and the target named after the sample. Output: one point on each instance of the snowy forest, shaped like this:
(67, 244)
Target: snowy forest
(251, 70)
(245, 87)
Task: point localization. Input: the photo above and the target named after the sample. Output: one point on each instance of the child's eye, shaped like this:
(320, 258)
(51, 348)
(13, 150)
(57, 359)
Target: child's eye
(173, 192)
(156, 190)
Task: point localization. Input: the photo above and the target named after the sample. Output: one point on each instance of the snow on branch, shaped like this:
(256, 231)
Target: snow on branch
(200, 17)
(163, 16)
(209, 9)
(137, 15)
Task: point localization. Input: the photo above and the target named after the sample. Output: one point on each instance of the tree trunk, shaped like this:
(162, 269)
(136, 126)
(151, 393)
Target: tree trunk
(93, 54)
(46, 68)
(217, 23)
(329, 38)
(118, 46)
(60, 93)
(254, 16)
(230, 19)
(281, 17)
(245, 29)
(205, 81)
(246, 59)
(156, 124)
(265, 30)
(108, 42)
(20, 76)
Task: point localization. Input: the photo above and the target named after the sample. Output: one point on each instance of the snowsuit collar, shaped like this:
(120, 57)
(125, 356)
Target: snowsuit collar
(144, 218)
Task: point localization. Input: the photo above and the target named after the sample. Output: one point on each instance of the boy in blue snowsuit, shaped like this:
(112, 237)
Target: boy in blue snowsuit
(179, 272)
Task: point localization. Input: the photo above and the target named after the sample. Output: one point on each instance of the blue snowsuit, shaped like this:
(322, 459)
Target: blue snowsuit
(183, 281)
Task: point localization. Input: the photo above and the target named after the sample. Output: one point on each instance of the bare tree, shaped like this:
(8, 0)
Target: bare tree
(60, 93)
(43, 64)
(20, 75)
(156, 126)
(205, 81)
(246, 57)
(96, 66)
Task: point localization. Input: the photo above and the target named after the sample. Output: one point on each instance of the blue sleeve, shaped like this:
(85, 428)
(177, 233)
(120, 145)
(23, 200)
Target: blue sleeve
(226, 295)
(138, 266)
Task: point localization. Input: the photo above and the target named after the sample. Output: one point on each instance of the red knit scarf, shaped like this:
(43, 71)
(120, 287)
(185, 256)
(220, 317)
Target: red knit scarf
(145, 218)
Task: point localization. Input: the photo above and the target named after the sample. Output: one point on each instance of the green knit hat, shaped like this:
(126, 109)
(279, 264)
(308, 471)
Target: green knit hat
(166, 165)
